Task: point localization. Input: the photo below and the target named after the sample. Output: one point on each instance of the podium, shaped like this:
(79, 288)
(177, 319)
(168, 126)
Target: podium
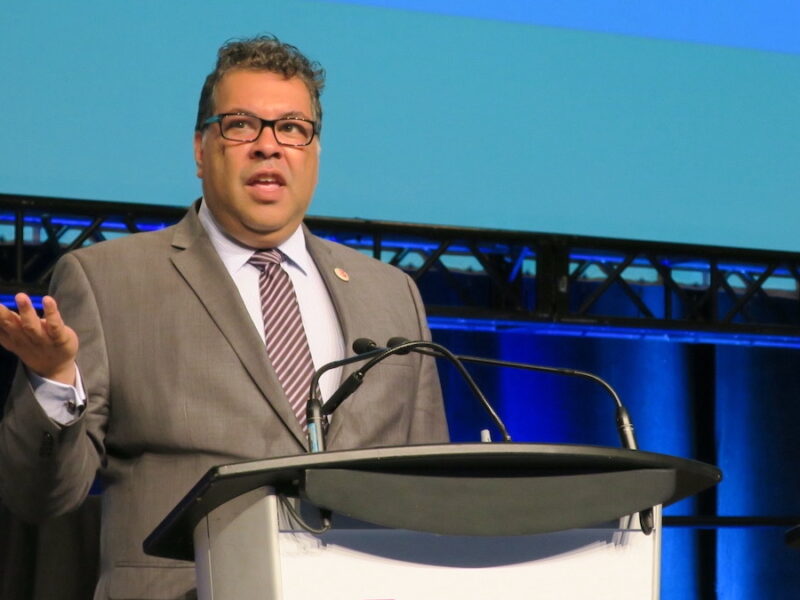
(432, 521)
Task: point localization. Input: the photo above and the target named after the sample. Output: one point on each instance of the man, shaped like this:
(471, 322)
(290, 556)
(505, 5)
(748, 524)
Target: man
(150, 364)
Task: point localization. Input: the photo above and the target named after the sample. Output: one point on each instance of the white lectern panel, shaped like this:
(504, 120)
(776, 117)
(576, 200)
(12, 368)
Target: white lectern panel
(278, 563)
(402, 565)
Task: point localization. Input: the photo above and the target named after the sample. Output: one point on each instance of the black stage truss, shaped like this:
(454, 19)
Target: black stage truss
(485, 279)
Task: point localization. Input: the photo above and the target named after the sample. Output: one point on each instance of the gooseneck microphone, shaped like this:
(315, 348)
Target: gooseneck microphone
(364, 349)
(404, 346)
(623, 419)
(364, 346)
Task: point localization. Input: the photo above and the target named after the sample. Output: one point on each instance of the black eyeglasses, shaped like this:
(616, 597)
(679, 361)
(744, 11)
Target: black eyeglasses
(241, 127)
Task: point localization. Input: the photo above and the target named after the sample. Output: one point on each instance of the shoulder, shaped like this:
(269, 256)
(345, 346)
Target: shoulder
(127, 261)
(121, 254)
(140, 246)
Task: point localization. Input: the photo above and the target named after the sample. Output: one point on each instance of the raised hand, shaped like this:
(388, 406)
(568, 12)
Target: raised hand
(47, 346)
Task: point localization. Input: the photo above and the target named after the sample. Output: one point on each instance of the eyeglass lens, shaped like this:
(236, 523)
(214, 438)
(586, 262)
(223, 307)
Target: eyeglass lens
(244, 128)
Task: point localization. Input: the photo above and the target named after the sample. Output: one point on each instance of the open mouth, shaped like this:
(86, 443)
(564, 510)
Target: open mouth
(266, 181)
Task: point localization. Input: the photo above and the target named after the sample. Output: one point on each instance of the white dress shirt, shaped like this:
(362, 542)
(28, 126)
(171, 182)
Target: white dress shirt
(324, 334)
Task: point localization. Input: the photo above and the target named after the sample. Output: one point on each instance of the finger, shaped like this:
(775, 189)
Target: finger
(9, 328)
(30, 322)
(5, 326)
(54, 323)
(8, 318)
(23, 302)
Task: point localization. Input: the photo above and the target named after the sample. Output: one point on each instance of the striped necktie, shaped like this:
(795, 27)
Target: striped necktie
(287, 345)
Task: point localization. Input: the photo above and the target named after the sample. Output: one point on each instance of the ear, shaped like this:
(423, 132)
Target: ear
(198, 152)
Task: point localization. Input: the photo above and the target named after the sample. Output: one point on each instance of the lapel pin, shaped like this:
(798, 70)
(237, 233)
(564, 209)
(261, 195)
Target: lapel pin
(341, 274)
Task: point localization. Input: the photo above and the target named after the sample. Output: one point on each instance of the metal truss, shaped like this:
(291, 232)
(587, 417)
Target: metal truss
(479, 278)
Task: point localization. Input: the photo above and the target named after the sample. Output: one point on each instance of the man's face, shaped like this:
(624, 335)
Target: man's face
(258, 191)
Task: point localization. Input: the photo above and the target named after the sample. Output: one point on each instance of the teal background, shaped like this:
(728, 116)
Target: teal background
(620, 131)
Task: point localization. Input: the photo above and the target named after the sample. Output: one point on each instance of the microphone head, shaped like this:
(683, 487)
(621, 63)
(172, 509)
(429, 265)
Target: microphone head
(398, 341)
(364, 345)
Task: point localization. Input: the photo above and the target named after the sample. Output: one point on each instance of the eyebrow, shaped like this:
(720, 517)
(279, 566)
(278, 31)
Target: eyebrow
(287, 115)
(294, 113)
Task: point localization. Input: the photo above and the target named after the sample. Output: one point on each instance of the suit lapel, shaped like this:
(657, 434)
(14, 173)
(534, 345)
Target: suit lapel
(339, 290)
(347, 302)
(202, 269)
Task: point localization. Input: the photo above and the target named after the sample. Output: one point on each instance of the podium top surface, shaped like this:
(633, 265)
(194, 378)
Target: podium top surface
(501, 473)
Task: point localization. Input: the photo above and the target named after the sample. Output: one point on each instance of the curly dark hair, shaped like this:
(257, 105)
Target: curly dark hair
(262, 53)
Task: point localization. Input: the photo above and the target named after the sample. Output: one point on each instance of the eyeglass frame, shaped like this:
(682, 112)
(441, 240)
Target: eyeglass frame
(264, 123)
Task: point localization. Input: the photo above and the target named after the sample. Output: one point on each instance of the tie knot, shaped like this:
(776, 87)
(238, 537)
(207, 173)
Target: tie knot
(264, 258)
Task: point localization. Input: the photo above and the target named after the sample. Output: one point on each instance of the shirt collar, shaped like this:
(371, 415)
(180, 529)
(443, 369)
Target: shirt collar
(235, 255)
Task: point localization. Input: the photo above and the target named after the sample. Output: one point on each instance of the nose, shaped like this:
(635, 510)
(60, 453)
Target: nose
(265, 145)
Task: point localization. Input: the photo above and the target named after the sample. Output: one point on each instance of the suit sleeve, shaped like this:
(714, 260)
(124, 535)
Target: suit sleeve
(429, 424)
(47, 469)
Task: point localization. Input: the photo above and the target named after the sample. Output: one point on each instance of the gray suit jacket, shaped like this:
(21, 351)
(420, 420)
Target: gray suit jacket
(178, 380)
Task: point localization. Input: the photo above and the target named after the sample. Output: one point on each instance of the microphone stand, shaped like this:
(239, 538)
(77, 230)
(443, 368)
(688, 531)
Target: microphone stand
(315, 414)
(352, 383)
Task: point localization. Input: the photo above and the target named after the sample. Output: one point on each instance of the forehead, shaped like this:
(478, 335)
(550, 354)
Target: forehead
(262, 92)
